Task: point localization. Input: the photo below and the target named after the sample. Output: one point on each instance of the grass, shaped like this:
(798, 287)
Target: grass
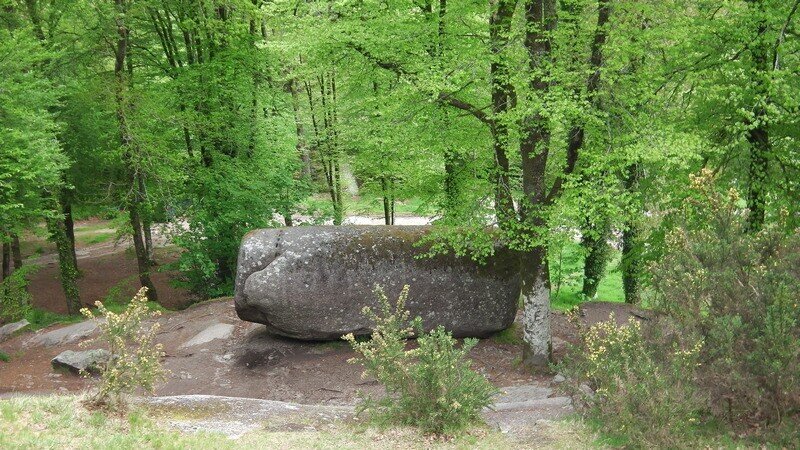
(40, 318)
(509, 336)
(61, 422)
(4, 357)
(566, 278)
(85, 239)
(366, 205)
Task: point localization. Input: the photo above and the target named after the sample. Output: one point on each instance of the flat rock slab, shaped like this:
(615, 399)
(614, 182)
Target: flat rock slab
(312, 283)
(65, 335)
(234, 416)
(9, 329)
(84, 361)
(215, 331)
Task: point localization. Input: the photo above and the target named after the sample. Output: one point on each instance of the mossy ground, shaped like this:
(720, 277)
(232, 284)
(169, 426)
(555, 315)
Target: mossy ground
(62, 422)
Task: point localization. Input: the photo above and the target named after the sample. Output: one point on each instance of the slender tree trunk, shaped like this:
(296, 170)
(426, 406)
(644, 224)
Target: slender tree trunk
(503, 100)
(758, 135)
(147, 224)
(387, 213)
(67, 269)
(129, 147)
(302, 148)
(16, 253)
(595, 242)
(69, 225)
(6, 257)
(760, 148)
(631, 247)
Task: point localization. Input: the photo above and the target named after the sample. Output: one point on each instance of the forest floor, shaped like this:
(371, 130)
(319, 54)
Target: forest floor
(210, 351)
(218, 365)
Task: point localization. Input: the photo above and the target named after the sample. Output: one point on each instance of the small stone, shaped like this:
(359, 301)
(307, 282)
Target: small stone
(8, 330)
(587, 391)
(85, 361)
(558, 379)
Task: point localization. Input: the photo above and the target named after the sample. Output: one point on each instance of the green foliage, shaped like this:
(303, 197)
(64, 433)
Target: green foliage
(431, 386)
(720, 284)
(40, 318)
(567, 274)
(15, 300)
(737, 290)
(224, 203)
(4, 357)
(643, 389)
(31, 160)
(135, 356)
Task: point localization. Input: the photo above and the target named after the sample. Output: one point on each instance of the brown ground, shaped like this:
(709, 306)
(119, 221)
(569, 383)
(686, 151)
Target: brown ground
(105, 265)
(252, 363)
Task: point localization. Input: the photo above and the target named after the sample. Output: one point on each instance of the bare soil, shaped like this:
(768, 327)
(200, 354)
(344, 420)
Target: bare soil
(252, 363)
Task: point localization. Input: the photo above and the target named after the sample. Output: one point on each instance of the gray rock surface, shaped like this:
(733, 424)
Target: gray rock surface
(518, 411)
(313, 282)
(76, 362)
(65, 335)
(9, 329)
(215, 331)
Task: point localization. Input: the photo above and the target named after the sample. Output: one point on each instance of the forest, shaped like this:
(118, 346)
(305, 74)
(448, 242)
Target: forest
(645, 152)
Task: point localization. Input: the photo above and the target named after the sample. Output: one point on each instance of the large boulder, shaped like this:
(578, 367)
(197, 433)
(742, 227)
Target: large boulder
(313, 282)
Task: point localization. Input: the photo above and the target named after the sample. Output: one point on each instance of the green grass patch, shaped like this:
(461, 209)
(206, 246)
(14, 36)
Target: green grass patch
(94, 238)
(4, 357)
(510, 336)
(566, 278)
(61, 422)
(368, 205)
(40, 318)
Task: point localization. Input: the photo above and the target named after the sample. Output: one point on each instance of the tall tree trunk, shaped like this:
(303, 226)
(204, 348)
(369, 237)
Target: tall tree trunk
(534, 150)
(302, 147)
(595, 243)
(130, 147)
(631, 247)
(6, 257)
(147, 224)
(387, 213)
(69, 225)
(503, 100)
(66, 265)
(16, 253)
(758, 134)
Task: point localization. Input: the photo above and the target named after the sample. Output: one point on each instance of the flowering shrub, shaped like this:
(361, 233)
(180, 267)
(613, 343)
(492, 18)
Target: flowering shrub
(643, 390)
(737, 289)
(431, 386)
(135, 356)
(729, 286)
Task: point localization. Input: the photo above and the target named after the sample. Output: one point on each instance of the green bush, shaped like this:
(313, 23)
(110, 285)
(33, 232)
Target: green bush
(722, 284)
(135, 356)
(15, 301)
(431, 386)
(643, 389)
(737, 290)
